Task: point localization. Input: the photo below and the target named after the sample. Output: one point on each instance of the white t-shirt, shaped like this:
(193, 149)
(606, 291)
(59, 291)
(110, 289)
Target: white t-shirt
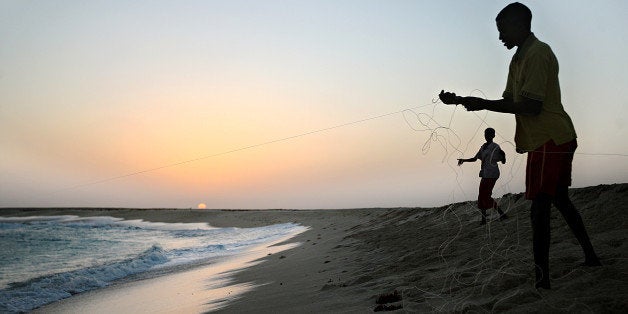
(490, 154)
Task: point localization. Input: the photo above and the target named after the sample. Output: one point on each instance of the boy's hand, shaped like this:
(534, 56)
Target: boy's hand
(472, 103)
(448, 98)
(460, 162)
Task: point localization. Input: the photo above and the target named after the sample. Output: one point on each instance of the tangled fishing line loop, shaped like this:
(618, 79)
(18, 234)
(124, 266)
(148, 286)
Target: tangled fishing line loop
(502, 257)
(493, 260)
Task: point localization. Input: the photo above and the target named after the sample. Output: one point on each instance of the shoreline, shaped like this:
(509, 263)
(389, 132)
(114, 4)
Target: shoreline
(438, 259)
(193, 290)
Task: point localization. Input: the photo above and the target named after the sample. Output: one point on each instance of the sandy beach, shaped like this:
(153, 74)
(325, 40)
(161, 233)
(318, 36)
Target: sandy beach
(436, 259)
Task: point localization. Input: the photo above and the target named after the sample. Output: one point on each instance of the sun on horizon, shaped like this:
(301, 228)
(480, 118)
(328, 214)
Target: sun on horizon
(201, 206)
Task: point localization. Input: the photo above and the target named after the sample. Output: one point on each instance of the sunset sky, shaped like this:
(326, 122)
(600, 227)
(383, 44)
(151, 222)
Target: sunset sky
(95, 93)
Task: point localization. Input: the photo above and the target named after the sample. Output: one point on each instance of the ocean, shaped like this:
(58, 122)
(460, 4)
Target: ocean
(47, 258)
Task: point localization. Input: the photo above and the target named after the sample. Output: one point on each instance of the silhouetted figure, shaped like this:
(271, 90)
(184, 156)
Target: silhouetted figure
(543, 129)
(490, 153)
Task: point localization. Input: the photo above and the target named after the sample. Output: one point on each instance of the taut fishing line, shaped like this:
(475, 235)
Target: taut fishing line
(235, 150)
(426, 121)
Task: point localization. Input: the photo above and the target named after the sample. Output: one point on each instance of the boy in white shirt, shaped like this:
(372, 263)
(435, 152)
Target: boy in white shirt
(490, 153)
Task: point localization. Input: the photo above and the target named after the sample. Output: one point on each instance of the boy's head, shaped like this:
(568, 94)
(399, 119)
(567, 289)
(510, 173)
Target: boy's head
(514, 24)
(489, 134)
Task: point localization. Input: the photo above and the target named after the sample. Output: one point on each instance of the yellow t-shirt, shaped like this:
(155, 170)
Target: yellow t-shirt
(533, 74)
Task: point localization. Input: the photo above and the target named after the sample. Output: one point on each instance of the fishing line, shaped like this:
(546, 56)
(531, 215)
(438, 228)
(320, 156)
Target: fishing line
(425, 119)
(499, 260)
(454, 277)
(513, 260)
(240, 149)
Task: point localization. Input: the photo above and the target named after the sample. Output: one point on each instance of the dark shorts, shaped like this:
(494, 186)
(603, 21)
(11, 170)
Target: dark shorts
(485, 201)
(549, 167)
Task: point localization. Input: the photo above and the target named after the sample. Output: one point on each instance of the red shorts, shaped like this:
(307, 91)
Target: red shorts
(549, 167)
(485, 201)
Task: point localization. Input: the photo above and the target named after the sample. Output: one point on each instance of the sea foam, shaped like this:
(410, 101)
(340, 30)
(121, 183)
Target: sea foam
(46, 259)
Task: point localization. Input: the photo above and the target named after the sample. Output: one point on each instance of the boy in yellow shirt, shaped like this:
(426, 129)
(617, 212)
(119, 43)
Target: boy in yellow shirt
(543, 129)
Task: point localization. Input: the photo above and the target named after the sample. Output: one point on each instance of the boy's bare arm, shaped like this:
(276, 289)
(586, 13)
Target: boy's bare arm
(528, 107)
(461, 161)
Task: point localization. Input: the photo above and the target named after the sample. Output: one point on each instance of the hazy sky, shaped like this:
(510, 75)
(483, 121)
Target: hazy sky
(93, 90)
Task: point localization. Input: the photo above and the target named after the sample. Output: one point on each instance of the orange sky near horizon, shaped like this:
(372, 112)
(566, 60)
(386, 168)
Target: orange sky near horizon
(94, 97)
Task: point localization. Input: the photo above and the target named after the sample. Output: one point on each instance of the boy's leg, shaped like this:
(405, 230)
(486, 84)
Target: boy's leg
(540, 216)
(502, 215)
(573, 219)
(548, 169)
(484, 196)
